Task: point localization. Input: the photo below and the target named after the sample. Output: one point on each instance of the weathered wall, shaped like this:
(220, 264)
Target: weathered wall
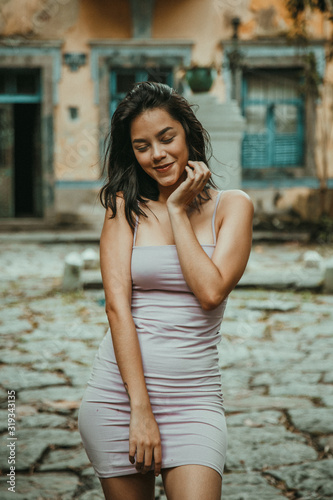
(190, 19)
(75, 20)
(77, 154)
(97, 20)
(206, 23)
(36, 19)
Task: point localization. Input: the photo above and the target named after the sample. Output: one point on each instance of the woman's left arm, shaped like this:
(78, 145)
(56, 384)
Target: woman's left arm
(211, 280)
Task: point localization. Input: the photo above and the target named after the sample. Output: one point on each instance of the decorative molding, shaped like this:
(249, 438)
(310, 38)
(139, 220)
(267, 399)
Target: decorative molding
(271, 53)
(130, 53)
(74, 60)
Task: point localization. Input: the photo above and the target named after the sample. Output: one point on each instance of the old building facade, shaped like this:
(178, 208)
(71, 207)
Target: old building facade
(65, 64)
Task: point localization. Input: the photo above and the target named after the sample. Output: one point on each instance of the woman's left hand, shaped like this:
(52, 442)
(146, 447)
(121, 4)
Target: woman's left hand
(198, 175)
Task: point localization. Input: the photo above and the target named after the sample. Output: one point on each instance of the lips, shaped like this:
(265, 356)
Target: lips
(163, 168)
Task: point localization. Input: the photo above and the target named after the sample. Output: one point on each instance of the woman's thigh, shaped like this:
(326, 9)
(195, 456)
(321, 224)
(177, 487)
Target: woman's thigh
(132, 487)
(192, 482)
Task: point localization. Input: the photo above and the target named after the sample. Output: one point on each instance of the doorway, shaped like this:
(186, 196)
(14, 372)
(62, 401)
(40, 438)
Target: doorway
(20, 146)
(27, 165)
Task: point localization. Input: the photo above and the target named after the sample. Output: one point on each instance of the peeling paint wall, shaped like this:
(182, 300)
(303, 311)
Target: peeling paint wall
(38, 19)
(78, 22)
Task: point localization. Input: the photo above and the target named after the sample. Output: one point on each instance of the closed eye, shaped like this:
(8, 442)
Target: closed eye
(165, 141)
(142, 148)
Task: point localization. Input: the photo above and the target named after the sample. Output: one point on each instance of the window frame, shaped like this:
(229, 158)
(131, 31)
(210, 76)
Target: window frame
(141, 74)
(11, 93)
(270, 135)
(276, 53)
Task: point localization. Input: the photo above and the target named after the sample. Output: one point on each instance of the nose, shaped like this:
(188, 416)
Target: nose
(158, 152)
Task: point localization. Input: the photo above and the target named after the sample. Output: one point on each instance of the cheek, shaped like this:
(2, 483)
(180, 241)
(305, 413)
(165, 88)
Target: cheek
(144, 164)
(140, 158)
(181, 151)
(184, 155)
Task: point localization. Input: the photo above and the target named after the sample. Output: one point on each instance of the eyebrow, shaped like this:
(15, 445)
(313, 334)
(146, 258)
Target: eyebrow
(166, 129)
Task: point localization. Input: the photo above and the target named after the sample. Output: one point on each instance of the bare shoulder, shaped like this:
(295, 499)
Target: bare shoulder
(120, 206)
(235, 200)
(235, 195)
(116, 226)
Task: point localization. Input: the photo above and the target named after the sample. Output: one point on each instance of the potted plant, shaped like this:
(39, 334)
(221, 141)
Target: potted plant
(200, 78)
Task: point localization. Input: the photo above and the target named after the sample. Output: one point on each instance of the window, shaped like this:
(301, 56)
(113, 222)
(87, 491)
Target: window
(122, 79)
(274, 110)
(20, 85)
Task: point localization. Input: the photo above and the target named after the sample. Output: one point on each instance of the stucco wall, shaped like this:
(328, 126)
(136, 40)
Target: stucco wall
(36, 19)
(77, 152)
(206, 23)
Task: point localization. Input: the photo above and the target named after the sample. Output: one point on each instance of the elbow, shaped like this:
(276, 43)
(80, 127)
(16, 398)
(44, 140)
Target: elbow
(113, 312)
(117, 304)
(209, 305)
(212, 302)
(109, 312)
(109, 308)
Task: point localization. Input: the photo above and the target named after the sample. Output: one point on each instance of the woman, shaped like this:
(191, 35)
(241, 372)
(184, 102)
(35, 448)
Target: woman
(172, 248)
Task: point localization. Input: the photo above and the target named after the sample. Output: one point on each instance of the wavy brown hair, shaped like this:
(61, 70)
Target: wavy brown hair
(123, 172)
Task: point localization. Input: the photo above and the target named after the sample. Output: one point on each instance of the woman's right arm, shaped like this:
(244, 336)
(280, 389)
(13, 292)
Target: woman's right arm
(115, 254)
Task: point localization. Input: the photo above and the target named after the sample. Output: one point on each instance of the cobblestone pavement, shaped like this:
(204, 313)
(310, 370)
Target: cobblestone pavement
(277, 373)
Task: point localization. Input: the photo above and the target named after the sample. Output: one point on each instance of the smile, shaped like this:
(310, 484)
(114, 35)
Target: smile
(164, 168)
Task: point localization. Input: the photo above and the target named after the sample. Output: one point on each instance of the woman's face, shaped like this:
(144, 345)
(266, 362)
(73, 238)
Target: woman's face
(159, 145)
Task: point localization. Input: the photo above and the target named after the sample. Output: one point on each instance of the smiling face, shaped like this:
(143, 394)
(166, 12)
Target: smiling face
(159, 145)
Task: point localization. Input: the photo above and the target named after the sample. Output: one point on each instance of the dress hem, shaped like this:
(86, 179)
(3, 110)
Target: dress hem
(129, 472)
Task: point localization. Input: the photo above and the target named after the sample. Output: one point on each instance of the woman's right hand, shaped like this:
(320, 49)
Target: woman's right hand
(144, 441)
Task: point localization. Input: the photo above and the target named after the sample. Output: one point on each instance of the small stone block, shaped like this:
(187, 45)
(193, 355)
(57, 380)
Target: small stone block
(328, 276)
(72, 272)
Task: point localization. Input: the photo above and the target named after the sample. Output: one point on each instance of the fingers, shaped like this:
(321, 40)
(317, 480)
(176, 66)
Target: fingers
(158, 459)
(132, 450)
(198, 174)
(140, 455)
(147, 461)
(144, 458)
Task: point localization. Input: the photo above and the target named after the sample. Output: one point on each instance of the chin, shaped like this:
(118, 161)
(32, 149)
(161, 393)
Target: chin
(167, 182)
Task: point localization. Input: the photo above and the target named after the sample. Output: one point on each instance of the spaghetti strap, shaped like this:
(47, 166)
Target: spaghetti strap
(214, 214)
(135, 229)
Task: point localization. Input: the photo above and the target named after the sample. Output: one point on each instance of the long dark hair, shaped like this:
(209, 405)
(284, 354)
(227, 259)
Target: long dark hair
(124, 173)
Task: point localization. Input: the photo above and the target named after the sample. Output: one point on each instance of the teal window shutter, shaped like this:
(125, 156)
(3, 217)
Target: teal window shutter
(274, 112)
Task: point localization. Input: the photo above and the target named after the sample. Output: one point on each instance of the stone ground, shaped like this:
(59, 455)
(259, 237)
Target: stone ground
(275, 358)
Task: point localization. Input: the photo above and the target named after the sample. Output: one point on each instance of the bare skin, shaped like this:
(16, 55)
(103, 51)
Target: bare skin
(159, 144)
(187, 482)
(131, 487)
(192, 482)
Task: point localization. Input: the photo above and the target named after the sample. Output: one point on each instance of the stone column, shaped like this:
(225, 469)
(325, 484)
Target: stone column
(225, 125)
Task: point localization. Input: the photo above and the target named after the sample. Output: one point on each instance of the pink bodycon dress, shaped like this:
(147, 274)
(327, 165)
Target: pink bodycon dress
(178, 342)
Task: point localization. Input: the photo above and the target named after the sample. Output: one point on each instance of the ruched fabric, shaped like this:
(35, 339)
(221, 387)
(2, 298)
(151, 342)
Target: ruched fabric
(178, 342)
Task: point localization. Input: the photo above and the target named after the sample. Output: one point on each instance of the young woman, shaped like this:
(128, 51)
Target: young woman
(172, 249)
